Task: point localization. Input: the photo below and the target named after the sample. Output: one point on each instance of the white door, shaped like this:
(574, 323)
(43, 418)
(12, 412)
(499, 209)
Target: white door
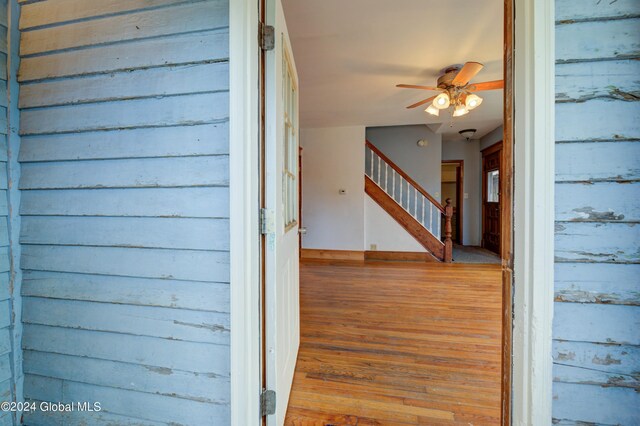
(281, 199)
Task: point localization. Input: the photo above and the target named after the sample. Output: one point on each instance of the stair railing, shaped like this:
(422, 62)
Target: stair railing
(408, 194)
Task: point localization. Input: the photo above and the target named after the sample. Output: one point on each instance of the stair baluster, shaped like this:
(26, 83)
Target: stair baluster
(432, 238)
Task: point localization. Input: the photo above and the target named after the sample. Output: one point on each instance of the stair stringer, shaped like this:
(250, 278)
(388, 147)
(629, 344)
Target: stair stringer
(433, 245)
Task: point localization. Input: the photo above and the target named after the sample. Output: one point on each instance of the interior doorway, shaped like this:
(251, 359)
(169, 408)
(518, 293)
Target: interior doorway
(535, 75)
(307, 395)
(452, 184)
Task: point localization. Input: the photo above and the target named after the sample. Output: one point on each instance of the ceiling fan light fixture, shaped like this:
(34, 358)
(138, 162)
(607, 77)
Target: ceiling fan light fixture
(442, 101)
(433, 110)
(455, 90)
(472, 101)
(460, 110)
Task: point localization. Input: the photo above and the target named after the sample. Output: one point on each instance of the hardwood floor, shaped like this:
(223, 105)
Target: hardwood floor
(398, 344)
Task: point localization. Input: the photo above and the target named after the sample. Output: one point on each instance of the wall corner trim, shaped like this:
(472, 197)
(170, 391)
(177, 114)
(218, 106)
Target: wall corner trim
(13, 195)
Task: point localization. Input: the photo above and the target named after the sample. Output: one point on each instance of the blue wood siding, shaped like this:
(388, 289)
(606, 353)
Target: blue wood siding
(5, 263)
(596, 348)
(125, 210)
(10, 359)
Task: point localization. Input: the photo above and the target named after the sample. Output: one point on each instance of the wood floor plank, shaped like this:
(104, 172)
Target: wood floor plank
(391, 343)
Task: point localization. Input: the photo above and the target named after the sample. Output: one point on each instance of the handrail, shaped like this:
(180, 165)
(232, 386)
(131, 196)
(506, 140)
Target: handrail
(401, 172)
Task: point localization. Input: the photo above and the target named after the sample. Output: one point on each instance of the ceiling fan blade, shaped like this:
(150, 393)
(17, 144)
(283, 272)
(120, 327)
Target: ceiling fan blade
(413, 86)
(468, 71)
(417, 104)
(487, 85)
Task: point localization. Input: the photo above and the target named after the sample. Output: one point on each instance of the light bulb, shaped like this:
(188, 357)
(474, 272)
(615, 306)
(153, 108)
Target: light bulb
(442, 101)
(433, 110)
(460, 110)
(473, 101)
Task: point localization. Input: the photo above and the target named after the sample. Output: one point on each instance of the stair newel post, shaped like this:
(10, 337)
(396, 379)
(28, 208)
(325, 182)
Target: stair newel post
(448, 243)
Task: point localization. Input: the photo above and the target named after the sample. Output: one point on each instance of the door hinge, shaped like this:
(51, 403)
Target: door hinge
(266, 221)
(267, 402)
(267, 36)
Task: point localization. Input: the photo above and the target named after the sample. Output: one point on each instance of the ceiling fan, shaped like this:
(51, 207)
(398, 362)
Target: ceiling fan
(456, 91)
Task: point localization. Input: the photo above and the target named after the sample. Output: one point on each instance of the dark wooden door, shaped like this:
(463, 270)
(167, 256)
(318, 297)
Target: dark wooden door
(457, 211)
(491, 197)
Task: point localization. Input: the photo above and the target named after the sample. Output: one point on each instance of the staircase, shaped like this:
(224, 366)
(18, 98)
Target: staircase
(408, 203)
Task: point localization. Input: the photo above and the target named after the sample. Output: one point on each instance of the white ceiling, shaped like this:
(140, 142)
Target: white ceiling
(350, 54)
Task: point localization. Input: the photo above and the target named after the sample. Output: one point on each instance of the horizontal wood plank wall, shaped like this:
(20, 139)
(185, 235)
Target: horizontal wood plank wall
(596, 347)
(6, 370)
(125, 209)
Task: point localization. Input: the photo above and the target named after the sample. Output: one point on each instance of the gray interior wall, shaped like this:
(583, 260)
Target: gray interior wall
(596, 330)
(399, 143)
(472, 201)
(125, 205)
(492, 137)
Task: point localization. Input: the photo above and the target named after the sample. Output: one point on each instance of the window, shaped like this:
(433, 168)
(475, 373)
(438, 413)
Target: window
(290, 163)
(493, 186)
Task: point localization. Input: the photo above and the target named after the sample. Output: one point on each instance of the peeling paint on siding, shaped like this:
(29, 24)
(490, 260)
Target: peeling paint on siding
(597, 291)
(125, 227)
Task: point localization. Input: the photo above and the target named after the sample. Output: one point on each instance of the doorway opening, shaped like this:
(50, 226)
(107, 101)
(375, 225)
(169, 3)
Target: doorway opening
(453, 188)
(335, 379)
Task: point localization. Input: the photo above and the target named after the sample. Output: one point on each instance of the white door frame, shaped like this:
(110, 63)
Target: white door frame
(534, 169)
(534, 178)
(244, 187)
